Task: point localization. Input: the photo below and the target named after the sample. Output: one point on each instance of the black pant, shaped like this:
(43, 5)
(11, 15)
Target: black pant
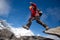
(37, 20)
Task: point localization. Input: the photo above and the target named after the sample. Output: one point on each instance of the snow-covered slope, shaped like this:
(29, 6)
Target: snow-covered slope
(17, 31)
(21, 32)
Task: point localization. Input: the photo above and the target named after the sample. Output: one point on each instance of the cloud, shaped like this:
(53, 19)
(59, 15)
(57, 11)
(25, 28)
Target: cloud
(50, 16)
(4, 8)
(44, 16)
(54, 12)
(17, 31)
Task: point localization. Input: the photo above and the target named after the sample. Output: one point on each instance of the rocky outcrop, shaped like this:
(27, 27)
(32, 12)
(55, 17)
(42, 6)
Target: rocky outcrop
(7, 35)
(34, 38)
(54, 31)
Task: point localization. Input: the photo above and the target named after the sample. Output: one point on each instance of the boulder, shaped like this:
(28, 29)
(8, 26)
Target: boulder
(54, 31)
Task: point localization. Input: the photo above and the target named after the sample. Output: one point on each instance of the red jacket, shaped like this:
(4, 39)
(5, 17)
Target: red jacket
(33, 10)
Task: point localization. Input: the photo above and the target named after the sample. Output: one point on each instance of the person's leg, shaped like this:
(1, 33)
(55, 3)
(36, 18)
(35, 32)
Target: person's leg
(40, 22)
(29, 22)
(27, 26)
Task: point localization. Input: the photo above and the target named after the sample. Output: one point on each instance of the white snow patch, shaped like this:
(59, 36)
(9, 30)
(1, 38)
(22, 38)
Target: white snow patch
(21, 32)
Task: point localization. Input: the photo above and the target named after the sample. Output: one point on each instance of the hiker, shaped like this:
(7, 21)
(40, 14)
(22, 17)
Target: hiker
(35, 15)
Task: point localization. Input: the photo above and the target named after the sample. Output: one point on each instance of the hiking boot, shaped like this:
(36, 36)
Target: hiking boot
(26, 27)
(47, 28)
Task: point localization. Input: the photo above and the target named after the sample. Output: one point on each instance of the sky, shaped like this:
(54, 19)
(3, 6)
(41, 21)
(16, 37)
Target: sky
(17, 13)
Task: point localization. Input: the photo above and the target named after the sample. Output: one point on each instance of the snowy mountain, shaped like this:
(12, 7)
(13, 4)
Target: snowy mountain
(7, 35)
(17, 31)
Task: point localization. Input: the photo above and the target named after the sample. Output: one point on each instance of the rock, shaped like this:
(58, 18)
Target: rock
(34, 38)
(6, 35)
(54, 31)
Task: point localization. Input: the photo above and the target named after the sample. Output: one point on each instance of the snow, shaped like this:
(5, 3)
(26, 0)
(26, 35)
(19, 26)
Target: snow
(21, 32)
(18, 32)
